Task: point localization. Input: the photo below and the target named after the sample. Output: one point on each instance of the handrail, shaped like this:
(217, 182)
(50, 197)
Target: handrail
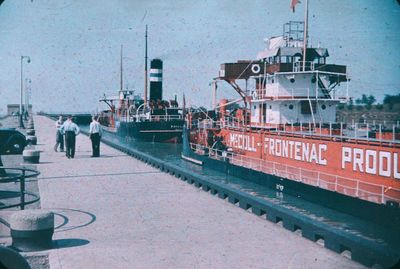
(271, 168)
(20, 178)
(144, 117)
(312, 131)
(301, 66)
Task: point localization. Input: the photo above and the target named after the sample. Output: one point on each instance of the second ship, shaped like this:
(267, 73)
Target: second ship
(153, 119)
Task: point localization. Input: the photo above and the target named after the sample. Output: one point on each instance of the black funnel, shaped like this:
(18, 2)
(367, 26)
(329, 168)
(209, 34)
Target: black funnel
(156, 79)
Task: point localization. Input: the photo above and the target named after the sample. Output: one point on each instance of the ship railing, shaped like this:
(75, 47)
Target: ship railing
(302, 66)
(279, 93)
(355, 133)
(228, 122)
(376, 193)
(288, 94)
(352, 133)
(144, 117)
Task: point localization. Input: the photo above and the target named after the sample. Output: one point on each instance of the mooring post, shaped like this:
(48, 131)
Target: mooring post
(22, 184)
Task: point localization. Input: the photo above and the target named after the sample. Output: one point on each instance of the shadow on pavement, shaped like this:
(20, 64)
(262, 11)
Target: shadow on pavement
(63, 213)
(69, 243)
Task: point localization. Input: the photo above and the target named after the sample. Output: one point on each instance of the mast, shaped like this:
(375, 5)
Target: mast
(305, 35)
(121, 72)
(145, 70)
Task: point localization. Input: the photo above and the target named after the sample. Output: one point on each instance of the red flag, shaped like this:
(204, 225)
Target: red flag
(294, 3)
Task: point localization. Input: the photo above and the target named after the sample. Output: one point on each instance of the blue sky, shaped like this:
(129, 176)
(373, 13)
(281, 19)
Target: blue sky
(74, 45)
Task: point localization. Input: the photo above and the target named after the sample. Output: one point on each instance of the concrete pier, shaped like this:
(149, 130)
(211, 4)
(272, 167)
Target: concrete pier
(117, 212)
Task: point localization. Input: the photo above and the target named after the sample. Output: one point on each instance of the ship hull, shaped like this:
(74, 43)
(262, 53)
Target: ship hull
(152, 131)
(387, 215)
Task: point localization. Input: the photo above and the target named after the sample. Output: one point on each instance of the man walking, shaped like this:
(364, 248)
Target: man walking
(59, 135)
(95, 132)
(2, 171)
(71, 130)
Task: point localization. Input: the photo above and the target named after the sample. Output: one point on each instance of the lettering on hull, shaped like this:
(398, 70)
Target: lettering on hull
(374, 162)
(300, 151)
(241, 141)
(367, 160)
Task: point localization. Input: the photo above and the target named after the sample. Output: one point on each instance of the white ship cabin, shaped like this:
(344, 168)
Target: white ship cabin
(291, 90)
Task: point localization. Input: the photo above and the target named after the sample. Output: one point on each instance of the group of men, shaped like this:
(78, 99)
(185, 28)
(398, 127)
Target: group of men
(70, 130)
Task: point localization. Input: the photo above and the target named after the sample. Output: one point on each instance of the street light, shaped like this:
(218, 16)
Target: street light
(28, 60)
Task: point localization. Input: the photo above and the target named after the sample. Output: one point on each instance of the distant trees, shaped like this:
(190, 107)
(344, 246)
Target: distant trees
(368, 101)
(391, 100)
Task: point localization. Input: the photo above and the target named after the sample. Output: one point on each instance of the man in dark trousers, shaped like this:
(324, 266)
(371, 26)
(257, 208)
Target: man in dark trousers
(95, 132)
(2, 171)
(59, 135)
(70, 130)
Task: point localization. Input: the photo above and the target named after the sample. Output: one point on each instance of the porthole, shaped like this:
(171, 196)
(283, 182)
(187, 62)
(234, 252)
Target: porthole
(323, 107)
(290, 106)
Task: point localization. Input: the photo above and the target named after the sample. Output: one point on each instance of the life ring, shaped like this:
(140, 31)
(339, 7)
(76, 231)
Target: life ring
(255, 68)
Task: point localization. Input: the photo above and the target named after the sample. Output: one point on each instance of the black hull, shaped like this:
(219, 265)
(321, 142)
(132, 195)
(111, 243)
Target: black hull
(387, 215)
(152, 131)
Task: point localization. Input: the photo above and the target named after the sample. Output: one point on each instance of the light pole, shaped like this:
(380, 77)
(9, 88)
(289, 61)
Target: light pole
(28, 60)
(27, 95)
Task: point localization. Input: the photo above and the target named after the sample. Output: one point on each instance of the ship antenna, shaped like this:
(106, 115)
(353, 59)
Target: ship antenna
(145, 70)
(121, 71)
(305, 35)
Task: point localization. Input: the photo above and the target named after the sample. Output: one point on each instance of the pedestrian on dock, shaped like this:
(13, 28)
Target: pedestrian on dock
(59, 135)
(2, 171)
(95, 132)
(71, 130)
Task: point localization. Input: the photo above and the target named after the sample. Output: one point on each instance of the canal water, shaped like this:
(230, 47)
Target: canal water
(357, 227)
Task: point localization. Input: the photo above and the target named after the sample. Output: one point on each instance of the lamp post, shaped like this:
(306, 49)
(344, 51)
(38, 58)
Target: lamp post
(28, 60)
(27, 95)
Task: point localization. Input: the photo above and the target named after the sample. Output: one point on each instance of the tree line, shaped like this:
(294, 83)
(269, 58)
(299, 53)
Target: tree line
(367, 101)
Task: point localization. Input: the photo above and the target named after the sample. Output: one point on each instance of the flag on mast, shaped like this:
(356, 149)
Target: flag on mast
(293, 4)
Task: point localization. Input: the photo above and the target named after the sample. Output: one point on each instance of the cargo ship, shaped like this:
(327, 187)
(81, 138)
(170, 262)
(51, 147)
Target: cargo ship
(154, 119)
(284, 134)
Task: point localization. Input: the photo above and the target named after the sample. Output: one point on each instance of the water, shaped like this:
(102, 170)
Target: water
(350, 224)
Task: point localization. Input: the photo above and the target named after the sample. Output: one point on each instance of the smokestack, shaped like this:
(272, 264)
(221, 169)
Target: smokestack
(156, 79)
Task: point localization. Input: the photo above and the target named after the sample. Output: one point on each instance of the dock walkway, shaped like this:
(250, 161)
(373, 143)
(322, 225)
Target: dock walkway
(117, 212)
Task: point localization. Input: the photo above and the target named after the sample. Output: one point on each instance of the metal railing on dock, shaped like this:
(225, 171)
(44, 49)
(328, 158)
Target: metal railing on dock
(20, 176)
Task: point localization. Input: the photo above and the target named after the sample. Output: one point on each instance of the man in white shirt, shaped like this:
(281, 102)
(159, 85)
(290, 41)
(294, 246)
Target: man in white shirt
(59, 135)
(95, 132)
(70, 129)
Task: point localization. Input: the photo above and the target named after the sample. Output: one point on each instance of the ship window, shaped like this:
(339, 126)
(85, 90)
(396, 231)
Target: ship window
(255, 107)
(270, 107)
(290, 106)
(323, 107)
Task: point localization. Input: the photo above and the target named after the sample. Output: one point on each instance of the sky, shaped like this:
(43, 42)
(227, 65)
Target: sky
(74, 45)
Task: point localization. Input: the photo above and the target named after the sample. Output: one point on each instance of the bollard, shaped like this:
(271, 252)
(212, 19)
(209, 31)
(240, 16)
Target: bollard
(31, 155)
(32, 230)
(30, 132)
(31, 139)
(11, 259)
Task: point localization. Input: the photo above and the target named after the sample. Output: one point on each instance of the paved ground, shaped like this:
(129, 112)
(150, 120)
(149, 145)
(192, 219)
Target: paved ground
(117, 212)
